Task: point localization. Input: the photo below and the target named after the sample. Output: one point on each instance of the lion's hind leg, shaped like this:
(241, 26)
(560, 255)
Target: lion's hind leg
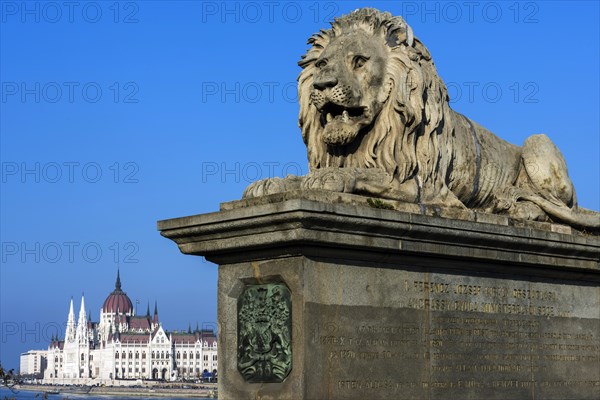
(546, 171)
(543, 186)
(544, 182)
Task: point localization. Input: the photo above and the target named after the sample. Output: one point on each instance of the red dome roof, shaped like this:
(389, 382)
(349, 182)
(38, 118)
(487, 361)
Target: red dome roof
(117, 300)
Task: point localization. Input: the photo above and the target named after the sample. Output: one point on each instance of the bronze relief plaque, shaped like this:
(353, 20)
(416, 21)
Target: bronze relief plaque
(265, 333)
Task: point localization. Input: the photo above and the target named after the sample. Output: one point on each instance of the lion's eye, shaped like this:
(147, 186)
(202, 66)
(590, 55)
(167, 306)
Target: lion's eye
(359, 61)
(321, 63)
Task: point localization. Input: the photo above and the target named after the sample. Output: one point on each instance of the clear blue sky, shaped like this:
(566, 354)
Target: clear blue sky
(115, 117)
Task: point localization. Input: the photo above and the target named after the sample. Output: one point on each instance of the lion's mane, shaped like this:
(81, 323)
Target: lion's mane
(405, 138)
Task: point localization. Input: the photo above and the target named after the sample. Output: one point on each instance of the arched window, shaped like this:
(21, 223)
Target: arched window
(137, 355)
(82, 356)
(55, 359)
(117, 354)
(162, 354)
(197, 355)
(143, 355)
(123, 355)
(130, 354)
(153, 355)
(191, 355)
(178, 355)
(184, 355)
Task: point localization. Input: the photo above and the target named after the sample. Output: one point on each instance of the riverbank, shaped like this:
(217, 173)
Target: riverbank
(204, 391)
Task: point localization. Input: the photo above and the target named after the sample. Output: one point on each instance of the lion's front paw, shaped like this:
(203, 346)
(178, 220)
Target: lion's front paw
(332, 179)
(265, 187)
(269, 186)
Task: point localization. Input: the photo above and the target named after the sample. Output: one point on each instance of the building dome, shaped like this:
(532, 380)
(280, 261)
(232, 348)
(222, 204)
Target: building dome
(117, 300)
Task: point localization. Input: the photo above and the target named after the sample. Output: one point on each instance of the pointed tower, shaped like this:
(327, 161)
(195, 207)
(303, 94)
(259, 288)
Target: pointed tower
(82, 336)
(155, 320)
(148, 311)
(118, 282)
(70, 332)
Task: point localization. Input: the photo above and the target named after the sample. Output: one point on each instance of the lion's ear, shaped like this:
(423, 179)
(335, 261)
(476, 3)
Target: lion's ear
(386, 90)
(399, 34)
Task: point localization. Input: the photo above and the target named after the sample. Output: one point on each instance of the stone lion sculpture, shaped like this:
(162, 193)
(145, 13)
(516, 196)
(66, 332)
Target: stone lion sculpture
(376, 120)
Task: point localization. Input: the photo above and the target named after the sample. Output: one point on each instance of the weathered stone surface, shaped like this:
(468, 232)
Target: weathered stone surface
(312, 226)
(395, 334)
(376, 120)
(388, 304)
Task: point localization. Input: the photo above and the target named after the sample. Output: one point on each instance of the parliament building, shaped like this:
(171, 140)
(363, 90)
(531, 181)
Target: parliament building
(123, 348)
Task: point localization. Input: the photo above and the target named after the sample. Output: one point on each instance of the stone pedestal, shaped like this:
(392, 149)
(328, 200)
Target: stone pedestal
(323, 296)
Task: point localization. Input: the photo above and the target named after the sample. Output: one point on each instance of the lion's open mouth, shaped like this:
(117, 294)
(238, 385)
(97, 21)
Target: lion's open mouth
(341, 125)
(332, 111)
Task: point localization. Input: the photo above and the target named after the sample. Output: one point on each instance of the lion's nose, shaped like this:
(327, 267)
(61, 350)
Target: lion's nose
(325, 82)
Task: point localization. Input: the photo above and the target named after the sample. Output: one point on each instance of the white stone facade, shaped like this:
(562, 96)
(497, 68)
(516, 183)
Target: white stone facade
(123, 348)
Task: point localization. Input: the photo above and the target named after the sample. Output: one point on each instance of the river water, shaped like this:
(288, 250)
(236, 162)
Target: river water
(26, 395)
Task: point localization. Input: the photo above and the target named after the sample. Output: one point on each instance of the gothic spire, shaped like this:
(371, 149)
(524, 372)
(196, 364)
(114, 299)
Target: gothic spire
(82, 316)
(118, 282)
(148, 311)
(155, 319)
(82, 322)
(70, 331)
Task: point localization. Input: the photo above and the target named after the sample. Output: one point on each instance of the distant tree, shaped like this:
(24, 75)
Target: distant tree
(8, 379)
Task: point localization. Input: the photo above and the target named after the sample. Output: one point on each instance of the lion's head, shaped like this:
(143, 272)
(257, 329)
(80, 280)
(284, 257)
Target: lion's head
(369, 93)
